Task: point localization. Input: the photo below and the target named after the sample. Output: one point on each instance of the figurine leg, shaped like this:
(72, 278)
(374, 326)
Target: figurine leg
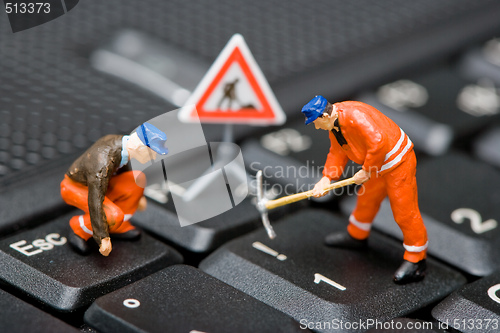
(78, 225)
(403, 196)
(370, 196)
(402, 192)
(76, 194)
(81, 224)
(125, 194)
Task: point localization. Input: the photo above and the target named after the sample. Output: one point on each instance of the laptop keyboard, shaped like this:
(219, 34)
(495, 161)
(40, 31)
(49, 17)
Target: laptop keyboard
(316, 283)
(224, 274)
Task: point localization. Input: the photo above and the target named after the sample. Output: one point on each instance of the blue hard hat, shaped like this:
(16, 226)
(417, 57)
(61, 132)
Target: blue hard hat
(152, 137)
(314, 108)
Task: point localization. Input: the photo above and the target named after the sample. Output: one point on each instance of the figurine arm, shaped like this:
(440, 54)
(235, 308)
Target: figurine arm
(97, 189)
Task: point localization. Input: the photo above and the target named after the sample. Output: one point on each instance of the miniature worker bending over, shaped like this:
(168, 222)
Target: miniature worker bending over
(100, 184)
(361, 133)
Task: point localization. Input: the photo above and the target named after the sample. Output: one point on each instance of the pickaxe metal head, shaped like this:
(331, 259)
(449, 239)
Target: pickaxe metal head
(261, 206)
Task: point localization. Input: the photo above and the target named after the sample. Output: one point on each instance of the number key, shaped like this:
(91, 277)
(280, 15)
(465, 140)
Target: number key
(459, 199)
(473, 308)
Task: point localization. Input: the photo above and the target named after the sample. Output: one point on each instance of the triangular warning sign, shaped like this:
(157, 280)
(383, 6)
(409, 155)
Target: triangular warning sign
(234, 90)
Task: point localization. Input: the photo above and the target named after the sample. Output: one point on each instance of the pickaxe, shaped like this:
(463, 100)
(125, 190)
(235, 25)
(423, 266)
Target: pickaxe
(264, 205)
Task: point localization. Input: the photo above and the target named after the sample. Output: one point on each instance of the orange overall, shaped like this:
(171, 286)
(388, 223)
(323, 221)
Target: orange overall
(120, 203)
(384, 150)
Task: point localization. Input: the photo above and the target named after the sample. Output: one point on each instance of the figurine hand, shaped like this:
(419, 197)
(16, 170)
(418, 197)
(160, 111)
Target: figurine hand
(319, 188)
(361, 176)
(105, 247)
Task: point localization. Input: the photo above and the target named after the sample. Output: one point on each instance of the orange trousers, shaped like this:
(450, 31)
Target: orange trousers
(120, 203)
(400, 185)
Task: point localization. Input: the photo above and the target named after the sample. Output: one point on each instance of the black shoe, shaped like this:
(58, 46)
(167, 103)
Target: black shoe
(344, 240)
(79, 244)
(410, 272)
(131, 235)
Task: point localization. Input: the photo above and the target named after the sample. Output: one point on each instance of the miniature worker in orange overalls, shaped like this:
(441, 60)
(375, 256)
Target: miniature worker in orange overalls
(361, 133)
(100, 184)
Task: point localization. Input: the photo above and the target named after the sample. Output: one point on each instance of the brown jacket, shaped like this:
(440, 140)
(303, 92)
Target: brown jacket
(94, 169)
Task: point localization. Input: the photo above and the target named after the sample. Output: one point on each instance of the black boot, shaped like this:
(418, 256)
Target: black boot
(79, 244)
(410, 272)
(131, 235)
(344, 240)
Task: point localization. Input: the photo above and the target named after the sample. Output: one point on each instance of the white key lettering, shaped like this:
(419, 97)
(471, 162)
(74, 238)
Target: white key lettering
(476, 221)
(24, 249)
(266, 249)
(286, 141)
(42, 244)
(51, 238)
(403, 94)
(46, 244)
(492, 293)
(131, 303)
(318, 278)
(481, 99)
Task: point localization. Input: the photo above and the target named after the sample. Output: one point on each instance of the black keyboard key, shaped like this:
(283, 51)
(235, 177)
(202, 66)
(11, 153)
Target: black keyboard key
(31, 203)
(483, 62)
(200, 237)
(18, 316)
(39, 262)
(459, 199)
(280, 169)
(298, 275)
(473, 308)
(184, 299)
(487, 146)
(429, 136)
(292, 158)
(452, 100)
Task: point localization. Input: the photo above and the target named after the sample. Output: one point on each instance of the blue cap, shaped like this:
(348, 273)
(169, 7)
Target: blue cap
(153, 138)
(314, 108)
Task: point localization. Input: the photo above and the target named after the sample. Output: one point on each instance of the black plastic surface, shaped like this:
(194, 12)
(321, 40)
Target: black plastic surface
(184, 299)
(64, 280)
(53, 104)
(289, 285)
(18, 316)
(200, 237)
(470, 309)
(32, 203)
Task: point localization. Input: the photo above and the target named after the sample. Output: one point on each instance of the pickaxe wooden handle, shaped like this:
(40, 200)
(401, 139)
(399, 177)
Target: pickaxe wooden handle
(263, 205)
(271, 204)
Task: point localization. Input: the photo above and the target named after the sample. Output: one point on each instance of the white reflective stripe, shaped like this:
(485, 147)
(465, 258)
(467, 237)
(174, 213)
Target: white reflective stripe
(415, 248)
(360, 225)
(82, 225)
(397, 146)
(398, 158)
(127, 217)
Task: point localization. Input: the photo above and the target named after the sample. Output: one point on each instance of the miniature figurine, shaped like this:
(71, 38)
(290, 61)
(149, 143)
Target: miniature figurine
(361, 133)
(100, 184)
